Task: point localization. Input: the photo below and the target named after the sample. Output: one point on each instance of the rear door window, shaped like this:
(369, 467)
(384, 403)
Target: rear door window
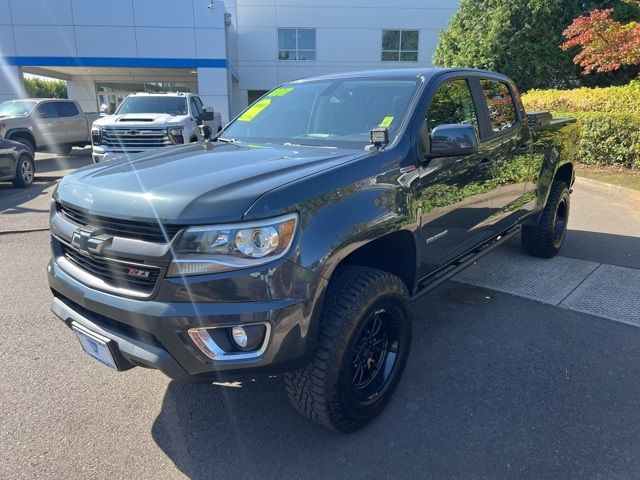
(67, 109)
(47, 110)
(502, 111)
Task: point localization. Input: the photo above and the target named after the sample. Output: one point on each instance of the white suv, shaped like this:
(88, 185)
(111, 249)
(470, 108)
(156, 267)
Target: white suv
(145, 121)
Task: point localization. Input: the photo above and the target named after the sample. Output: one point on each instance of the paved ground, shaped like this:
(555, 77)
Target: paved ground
(512, 388)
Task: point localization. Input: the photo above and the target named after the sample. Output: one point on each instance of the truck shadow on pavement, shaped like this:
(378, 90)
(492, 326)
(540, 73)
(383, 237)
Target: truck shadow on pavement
(510, 388)
(12, 198)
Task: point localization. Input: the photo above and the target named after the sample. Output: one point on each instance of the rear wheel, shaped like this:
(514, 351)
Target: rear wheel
(362, 349)
(25, 172)
(546, 239)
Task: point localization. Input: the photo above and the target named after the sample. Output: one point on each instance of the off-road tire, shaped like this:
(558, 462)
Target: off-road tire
(543, 240)
(21, 180)
(323, 390)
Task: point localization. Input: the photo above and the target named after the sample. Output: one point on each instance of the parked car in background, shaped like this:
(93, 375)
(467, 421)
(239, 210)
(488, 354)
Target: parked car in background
(298, 239)
(146, 121)
(16, 163)
(46, 124)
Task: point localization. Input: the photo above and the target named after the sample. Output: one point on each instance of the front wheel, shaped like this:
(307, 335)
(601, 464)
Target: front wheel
(362, 349)
(25, 172)
(545, 239)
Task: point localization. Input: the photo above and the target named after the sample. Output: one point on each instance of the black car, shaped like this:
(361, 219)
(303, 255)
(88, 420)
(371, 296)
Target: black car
(297, 239)
(16, 163)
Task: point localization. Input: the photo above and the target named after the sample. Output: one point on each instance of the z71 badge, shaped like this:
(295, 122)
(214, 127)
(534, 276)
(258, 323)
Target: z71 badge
(136, 272)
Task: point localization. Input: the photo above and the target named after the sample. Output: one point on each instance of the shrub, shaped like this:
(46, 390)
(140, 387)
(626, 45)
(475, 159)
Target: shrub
(611, 139)
(610, 99)
(43, 88)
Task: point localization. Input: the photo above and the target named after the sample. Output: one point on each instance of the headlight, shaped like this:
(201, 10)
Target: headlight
(220, 248)
(175, 134)
(96, 135)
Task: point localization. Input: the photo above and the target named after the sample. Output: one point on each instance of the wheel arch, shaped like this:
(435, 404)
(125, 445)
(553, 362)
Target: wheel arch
(394, 253)
(565, 173)
(21, 132)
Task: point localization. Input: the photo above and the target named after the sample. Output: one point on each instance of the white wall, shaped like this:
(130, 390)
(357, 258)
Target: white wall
(83, 90)
(348, 35)
(139, 30)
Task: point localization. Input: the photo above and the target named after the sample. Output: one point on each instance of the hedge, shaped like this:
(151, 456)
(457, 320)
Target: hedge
(600, 99)
(611, 139)
(608, 121)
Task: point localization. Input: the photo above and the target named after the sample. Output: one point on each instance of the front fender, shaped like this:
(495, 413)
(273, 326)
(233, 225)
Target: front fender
(343, 208)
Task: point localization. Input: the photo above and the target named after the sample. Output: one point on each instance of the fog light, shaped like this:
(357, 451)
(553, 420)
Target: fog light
(239, 337)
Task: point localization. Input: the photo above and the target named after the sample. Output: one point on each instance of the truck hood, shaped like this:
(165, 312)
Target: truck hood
(140, 120)
(193, 184)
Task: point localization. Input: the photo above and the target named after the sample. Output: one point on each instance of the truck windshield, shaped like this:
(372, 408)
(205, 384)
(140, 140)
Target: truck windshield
(16, 108)
(331, 113)
(169, 105)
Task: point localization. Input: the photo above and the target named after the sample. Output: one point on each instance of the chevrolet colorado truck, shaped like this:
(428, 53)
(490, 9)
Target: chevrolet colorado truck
(46, 124)
(146, 121)
(297, 239)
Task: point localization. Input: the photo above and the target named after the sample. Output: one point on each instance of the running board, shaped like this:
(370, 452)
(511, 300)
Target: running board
(445, 273)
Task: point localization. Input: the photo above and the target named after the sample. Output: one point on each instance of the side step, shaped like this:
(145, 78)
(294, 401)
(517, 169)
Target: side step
(445, 273)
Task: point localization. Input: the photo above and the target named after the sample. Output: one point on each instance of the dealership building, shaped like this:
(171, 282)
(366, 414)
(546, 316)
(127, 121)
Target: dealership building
(229, 52)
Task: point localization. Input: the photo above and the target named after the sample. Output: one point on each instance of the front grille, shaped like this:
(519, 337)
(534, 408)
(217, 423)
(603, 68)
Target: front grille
(114, 273)
(135, 139)
(147, 231)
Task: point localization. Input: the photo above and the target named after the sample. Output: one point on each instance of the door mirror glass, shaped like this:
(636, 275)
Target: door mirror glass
(207, 115)
(453, 140)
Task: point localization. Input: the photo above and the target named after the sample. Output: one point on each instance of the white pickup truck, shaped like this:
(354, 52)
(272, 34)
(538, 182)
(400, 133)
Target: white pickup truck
(145, 121)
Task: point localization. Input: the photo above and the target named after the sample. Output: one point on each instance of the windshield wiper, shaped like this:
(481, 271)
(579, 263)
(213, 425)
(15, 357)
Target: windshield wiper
(289, 144)
(226, 140)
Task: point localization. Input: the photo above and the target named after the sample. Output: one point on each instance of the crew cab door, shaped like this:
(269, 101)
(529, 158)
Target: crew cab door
(47, 123)
(451, 194)
(507, 147)
(75, 129)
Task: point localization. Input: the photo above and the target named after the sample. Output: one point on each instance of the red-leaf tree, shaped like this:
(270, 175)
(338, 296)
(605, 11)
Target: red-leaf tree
(606, 44)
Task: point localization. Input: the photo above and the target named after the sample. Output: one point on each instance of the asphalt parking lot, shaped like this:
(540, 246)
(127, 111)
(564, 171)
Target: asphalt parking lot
(530, 371)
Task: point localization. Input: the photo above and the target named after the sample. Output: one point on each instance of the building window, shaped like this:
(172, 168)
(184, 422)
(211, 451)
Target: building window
(296, 44)
(400, 45)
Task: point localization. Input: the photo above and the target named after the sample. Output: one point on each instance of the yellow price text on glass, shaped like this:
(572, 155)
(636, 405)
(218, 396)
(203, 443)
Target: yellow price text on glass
(254, 110)
(386, 122)
(280, 92)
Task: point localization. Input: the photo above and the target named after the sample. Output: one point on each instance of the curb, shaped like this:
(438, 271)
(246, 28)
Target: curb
(615, 190)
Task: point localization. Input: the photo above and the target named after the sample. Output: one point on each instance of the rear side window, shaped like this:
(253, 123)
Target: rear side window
(502, 111)
(47, 110)
(451, 104)
(67, 109)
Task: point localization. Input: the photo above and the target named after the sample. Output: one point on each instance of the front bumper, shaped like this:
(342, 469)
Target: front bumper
(154, 333)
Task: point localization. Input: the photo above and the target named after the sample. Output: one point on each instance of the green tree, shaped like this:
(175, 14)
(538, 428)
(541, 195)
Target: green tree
(42, 88)
(520, 38)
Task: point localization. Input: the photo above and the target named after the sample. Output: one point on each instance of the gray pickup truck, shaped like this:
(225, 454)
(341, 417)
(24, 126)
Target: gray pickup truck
(46, 124)
(297, 239)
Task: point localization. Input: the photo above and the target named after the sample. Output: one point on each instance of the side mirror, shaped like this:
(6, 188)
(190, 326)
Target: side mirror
(207, 115)
(455, 140)
(105, 109)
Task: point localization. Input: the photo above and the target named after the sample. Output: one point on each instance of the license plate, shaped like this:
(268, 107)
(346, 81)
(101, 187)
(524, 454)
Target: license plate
(95, 345)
